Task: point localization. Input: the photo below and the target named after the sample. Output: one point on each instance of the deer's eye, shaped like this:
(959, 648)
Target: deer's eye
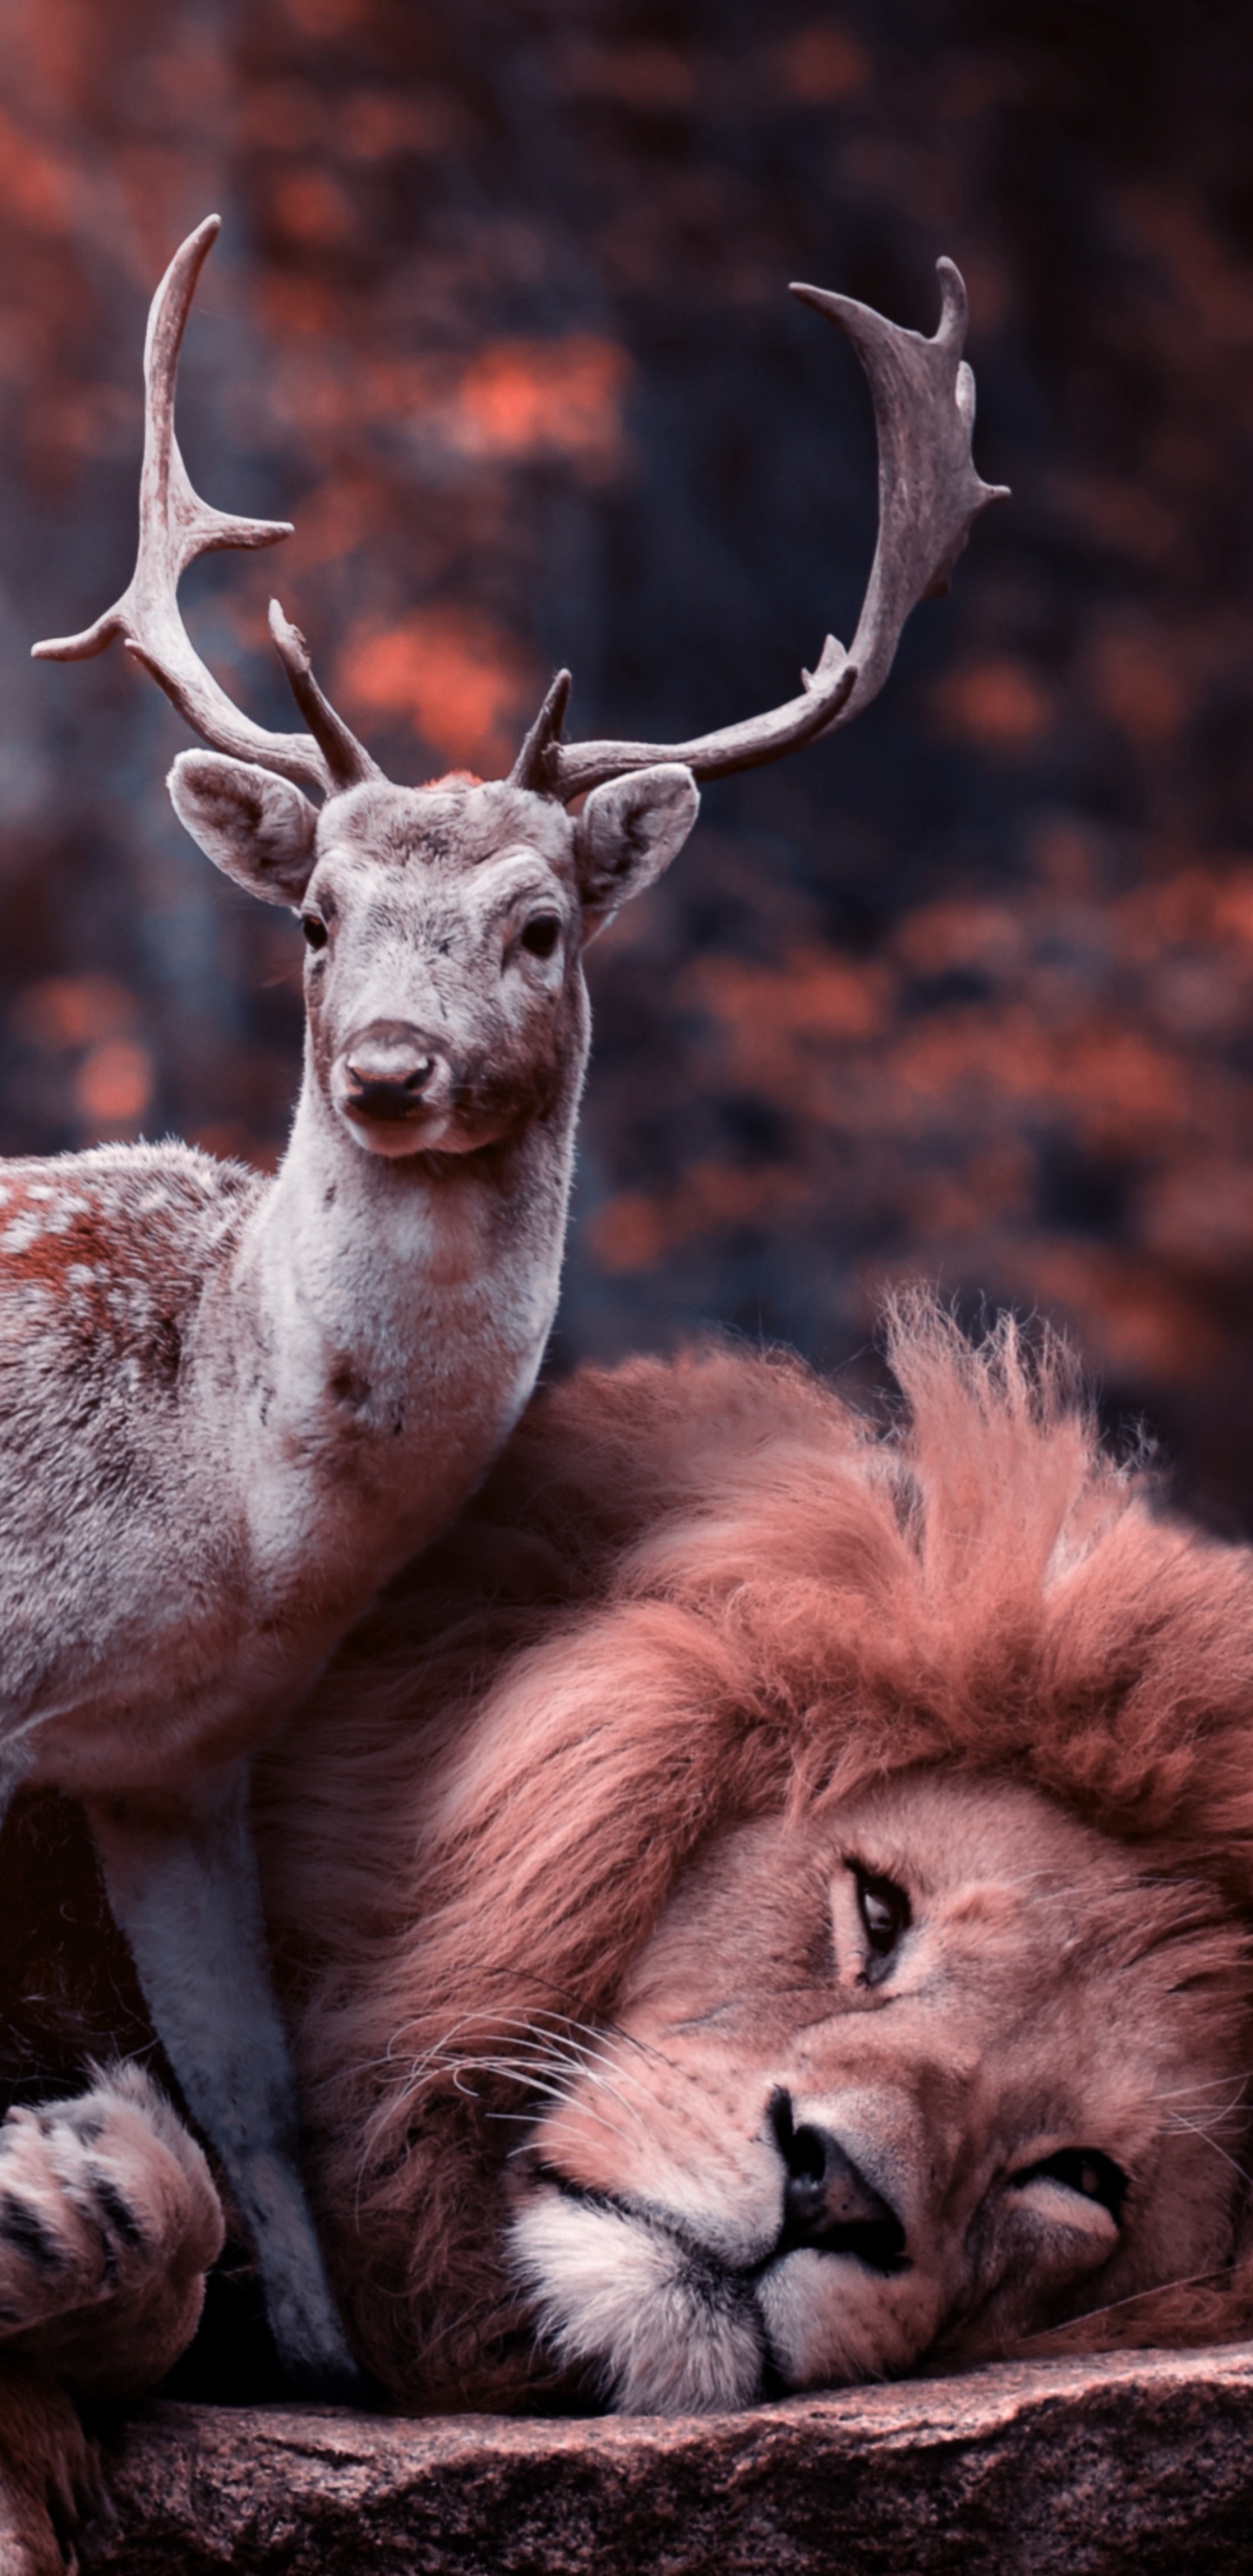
(541, 935)
(884, 1910)
(316, 932)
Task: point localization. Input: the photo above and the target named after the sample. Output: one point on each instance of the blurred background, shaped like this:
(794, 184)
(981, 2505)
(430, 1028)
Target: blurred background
(499, 317)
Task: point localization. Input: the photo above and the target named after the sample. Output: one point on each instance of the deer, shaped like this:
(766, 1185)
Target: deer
(236, 1404)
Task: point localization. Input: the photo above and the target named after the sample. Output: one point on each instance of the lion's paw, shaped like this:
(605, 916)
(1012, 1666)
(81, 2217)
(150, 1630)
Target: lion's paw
(108, 2223)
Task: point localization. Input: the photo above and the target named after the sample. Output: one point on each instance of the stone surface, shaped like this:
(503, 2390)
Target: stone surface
(1142, 2462)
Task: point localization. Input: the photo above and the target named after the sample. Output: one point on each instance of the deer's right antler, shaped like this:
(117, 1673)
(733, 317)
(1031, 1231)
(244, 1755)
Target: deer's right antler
(175, 526)
(929, 498)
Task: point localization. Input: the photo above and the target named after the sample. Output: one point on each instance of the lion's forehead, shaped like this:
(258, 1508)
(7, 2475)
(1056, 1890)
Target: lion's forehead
(1009, 1896)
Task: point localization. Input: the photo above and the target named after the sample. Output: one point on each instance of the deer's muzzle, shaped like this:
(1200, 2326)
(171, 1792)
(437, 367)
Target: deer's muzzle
(387, 1072)
(399, 1094)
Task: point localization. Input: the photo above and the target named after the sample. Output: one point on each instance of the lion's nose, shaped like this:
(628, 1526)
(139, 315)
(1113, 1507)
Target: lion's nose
(827, 2201)
(387, 1068)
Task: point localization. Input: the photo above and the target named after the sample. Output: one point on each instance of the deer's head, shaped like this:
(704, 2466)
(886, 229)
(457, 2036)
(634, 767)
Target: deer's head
(444, 928)
(445, 924)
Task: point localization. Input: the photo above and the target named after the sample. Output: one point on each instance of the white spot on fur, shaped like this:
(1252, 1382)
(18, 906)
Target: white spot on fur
(24, 1231)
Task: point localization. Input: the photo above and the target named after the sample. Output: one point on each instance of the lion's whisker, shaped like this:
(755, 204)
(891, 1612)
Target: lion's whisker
(1236, 2086)
(1181, 2127)
(1110, 2307)
(552, 2075)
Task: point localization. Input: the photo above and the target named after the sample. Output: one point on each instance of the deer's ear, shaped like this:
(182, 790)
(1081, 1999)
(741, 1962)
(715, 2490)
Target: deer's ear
(257, 828)
(628, 832)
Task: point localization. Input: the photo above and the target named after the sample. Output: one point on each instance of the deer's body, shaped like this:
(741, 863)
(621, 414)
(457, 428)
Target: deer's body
(113, 1592)
(230, 1408)
(273, 1402)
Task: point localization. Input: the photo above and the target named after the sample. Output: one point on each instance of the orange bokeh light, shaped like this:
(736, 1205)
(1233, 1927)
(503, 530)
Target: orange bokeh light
(114, 1085)
(458, 680)
(531, 397)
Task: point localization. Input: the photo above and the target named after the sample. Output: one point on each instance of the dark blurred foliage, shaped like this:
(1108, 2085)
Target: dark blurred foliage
(499, 317)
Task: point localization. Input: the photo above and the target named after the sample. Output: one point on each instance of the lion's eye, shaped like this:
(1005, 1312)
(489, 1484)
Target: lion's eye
(541, 935)
(1085, 2170)
(884, 1910)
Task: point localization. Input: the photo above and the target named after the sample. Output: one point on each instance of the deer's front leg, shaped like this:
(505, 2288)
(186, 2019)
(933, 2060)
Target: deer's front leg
(183, 1884)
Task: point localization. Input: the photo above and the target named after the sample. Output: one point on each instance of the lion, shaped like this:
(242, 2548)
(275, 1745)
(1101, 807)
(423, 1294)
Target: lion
(762, 1904)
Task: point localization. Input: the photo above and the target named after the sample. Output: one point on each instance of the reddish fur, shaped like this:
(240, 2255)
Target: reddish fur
(49, 2475)
(60, 1243)
(688, 1593)
(113, 1225)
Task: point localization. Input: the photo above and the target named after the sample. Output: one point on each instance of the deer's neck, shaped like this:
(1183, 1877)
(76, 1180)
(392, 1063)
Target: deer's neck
(368, 1252)
(386, 1322)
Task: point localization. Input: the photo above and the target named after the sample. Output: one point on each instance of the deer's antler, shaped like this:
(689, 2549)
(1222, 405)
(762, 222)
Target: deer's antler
(929, 498)
(175, 526)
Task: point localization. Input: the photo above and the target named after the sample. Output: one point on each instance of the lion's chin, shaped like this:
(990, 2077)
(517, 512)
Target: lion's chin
(662, 2329)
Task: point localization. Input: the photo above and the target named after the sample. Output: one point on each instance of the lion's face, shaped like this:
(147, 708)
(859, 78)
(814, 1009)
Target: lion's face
(917, 2078)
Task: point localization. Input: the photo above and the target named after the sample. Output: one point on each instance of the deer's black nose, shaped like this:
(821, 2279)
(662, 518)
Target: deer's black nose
(827, 2202)
(388, 1068)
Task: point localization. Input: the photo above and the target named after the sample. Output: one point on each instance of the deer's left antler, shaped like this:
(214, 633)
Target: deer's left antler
(929, 498)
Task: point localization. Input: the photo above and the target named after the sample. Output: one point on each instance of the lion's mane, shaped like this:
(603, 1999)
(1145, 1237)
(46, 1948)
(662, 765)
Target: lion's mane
(690, 1592)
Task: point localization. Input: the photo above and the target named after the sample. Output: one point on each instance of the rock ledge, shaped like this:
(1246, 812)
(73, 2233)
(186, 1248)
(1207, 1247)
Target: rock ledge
(1142, 2462)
